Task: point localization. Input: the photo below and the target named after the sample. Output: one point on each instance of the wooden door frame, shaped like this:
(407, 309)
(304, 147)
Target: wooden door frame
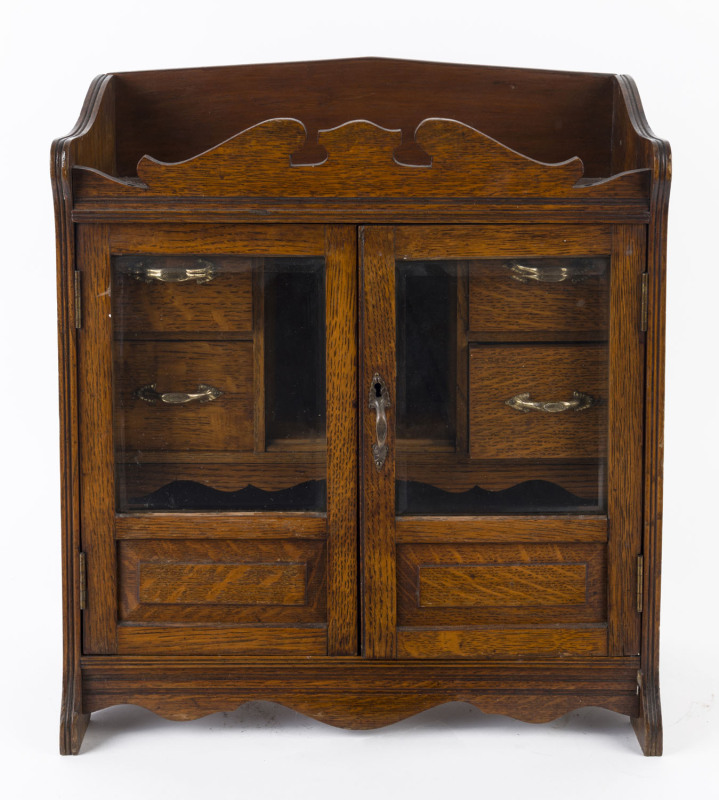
(380, 246)
(95, 246)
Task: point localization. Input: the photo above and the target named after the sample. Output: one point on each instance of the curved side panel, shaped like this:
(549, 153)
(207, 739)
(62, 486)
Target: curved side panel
(638, 144)
(73, 721)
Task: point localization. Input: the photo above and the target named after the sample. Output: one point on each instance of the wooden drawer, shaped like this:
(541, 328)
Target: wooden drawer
(225, 423)
(549, 373)
(148, 306)
(537, 298)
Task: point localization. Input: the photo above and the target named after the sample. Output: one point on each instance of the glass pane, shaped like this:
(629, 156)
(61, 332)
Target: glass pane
(219, 383)
(502, 380)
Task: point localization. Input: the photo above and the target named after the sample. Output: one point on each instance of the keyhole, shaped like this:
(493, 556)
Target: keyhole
(378, 390)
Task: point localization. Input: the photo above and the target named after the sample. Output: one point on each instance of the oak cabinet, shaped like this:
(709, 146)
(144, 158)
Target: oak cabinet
(361, 412)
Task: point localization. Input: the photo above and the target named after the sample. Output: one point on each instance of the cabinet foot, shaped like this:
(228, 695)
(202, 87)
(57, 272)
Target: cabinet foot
(648, 725)
(72, 732)
(73, 724)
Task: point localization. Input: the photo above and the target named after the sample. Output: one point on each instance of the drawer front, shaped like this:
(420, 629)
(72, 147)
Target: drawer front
(539, 298)
(548, 374)
(182, 294)
(224, 423)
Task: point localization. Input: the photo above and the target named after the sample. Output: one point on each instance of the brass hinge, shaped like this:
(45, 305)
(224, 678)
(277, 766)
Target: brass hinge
(644, 315)
(82, 580)
(640, 584)
(78, 299)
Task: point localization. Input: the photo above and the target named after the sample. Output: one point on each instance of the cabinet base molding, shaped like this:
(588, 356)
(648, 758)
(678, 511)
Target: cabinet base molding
(358, 694)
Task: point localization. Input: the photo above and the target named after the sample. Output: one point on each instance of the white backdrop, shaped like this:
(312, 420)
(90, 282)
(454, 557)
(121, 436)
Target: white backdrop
(49, 56)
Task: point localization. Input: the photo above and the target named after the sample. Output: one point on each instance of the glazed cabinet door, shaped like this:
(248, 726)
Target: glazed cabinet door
(218, 439)
(502, 440)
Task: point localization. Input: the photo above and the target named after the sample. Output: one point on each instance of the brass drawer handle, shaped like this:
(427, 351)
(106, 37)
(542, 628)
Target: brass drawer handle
(379, 401)
(579, 402)
(203, 394)
(553, 273)
(204, 272)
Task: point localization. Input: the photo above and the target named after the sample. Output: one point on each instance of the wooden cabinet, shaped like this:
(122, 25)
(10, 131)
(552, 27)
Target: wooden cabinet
(361, 392)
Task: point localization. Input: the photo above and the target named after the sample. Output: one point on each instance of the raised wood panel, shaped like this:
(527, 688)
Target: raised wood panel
(221, 584)
(590, 640)
(223, 423)
(500, 303)
(492, 583)
(515, 585)
(222, 305)
(548, 373)
(190, 581)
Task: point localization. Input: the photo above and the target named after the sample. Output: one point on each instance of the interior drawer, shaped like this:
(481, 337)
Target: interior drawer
(527, 374)
(539, 298)
(182, 294)
(223, 423)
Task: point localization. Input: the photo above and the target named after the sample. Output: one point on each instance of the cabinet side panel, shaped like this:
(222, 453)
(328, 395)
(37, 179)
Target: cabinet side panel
(625, 437)
(378, 505)
(96, 456)
(341, 306)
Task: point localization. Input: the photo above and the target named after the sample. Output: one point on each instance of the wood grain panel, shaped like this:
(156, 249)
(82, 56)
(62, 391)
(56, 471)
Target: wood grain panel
(222, 584)
(359, 158)
(213, 581)
(224, 423)
(503, 642)
(377, 324)
(548, 373)
(355, 693)
(222, 305)
(221, 640)
(626, 437)
(97, 488)
(509, 528)
(500, 241)
(238, 525)
(342, 440)
(454, 585)
(98, 200)
(218, 239)
(515, 585)
(499, 303)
